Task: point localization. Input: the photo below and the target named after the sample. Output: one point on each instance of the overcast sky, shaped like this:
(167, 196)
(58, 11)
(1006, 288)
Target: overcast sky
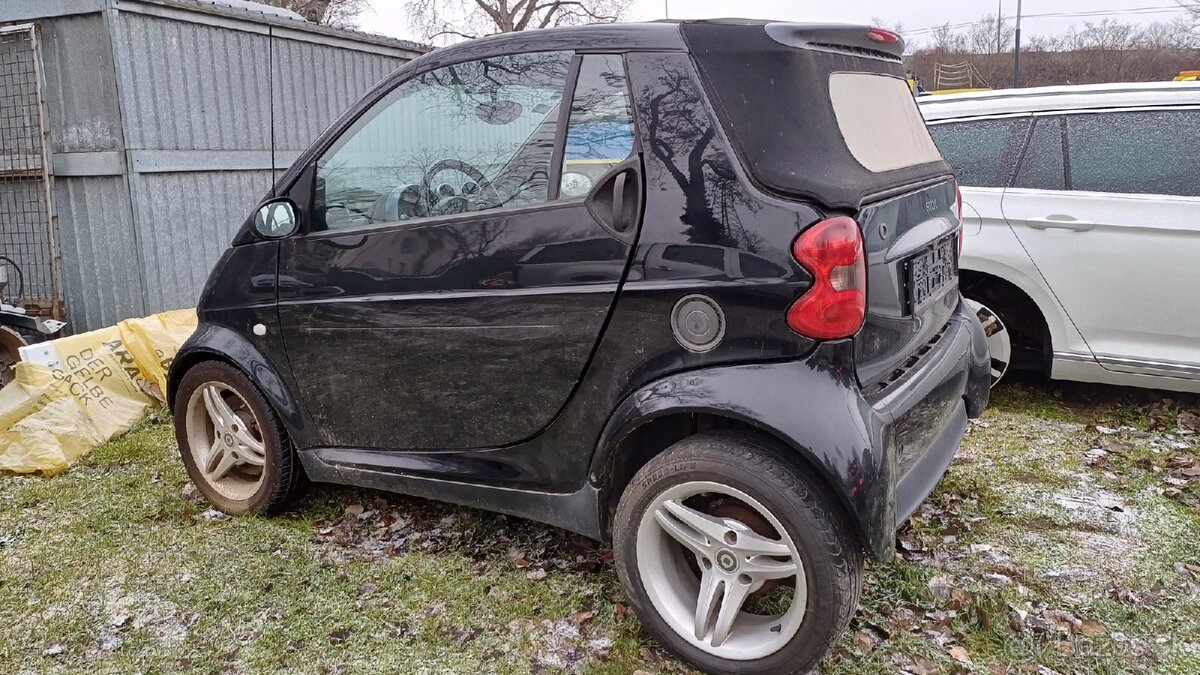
(387, 16)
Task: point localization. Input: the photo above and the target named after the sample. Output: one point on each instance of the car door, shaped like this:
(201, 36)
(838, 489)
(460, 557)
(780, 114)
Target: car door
(408, 324)
(1118, 243)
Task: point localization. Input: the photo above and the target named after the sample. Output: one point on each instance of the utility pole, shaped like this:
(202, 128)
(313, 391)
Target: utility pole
(999, 23)
(1017, 51)
(667, 9)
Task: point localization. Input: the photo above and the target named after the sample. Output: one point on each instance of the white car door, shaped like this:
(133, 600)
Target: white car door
(1118, 241)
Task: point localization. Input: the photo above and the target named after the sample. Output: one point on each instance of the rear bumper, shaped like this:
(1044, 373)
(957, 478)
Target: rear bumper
(917, 425)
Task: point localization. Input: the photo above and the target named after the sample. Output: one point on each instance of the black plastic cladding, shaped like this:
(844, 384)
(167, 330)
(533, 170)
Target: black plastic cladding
(526, 425)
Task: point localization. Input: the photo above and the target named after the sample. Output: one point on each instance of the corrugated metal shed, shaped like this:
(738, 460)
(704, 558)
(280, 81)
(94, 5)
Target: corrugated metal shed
(167, 121)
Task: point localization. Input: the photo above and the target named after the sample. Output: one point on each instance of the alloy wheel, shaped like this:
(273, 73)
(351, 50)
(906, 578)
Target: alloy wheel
(707, 572)
(999, 338)
(225, 440)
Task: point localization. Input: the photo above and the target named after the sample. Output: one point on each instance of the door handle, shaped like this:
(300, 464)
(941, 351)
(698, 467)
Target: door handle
(1060, 223)
(620, 218)
(616, 201)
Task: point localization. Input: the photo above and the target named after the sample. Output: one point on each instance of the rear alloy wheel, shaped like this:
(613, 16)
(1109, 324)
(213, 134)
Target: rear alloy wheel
(999, 338)
(733, 559)
(231, 442)
(729, 561)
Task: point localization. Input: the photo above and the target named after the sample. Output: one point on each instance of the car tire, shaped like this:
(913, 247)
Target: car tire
(735, 495)
(243, 463)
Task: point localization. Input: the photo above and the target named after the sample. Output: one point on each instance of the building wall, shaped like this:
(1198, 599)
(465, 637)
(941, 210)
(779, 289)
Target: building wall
(101, 272)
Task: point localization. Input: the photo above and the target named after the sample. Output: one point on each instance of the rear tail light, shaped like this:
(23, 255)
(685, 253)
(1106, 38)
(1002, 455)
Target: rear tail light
(835, 306)
(883, 35)
(961, 234)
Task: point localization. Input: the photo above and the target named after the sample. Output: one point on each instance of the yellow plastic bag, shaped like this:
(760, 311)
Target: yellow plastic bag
(88, 389)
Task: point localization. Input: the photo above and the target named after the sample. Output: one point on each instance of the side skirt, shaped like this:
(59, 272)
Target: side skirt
(1080, 368)
(575, 511)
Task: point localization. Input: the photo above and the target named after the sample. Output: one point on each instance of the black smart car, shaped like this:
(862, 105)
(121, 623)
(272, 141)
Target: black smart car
(688, 286)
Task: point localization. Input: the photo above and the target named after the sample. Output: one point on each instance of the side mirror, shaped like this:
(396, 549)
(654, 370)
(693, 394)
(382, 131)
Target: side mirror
(276, 219)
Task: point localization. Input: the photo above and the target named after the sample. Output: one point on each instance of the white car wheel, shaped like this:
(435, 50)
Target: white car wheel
(999, 338)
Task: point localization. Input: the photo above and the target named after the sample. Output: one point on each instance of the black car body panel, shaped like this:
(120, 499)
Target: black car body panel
(513, 378)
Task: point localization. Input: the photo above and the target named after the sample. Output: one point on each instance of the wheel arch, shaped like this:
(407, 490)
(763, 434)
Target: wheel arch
(655, 434)
(1058, 325)
(646, 424)
(218, 343)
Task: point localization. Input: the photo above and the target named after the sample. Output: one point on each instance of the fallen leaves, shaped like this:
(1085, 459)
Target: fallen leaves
(517, 556)
(582, 617)
(1090, 628)
(213, 514)
(959, 599)
(1048, 621)
(959, 653)
(939, 587)
(867, 640)
(916, 665)
(1189, 420)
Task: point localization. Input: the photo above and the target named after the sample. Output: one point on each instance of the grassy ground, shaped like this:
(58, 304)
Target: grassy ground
(1066, 538)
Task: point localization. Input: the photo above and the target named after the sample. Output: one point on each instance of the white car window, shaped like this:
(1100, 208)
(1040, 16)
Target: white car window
(1146, 152)
(981, 152)
(1042, 166)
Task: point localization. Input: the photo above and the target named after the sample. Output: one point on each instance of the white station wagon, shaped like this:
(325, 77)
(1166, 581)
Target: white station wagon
(1081, 208)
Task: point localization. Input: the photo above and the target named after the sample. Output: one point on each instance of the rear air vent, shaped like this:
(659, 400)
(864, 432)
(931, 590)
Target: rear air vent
(911, 362)
(856, 51)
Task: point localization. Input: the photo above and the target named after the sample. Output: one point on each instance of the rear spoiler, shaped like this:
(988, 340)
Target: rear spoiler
(839, 38)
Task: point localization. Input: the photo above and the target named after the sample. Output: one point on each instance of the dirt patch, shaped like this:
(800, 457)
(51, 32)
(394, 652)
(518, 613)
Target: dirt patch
(566, 645)
(141, 610)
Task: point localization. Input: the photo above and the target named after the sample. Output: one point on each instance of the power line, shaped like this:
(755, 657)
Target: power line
(1172, 9)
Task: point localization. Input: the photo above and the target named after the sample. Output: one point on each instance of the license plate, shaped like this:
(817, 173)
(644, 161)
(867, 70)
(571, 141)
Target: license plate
(932, 273)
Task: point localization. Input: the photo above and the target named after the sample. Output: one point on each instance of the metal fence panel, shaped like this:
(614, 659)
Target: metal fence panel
(26, 236)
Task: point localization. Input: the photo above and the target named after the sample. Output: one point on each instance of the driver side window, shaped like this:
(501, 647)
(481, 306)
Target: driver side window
(468, 137)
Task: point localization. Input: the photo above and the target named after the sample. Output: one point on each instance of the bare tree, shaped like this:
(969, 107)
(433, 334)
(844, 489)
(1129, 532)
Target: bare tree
(451, 19)
(337, 13)
(946, 39)
(984, 37)
(1104, 51)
